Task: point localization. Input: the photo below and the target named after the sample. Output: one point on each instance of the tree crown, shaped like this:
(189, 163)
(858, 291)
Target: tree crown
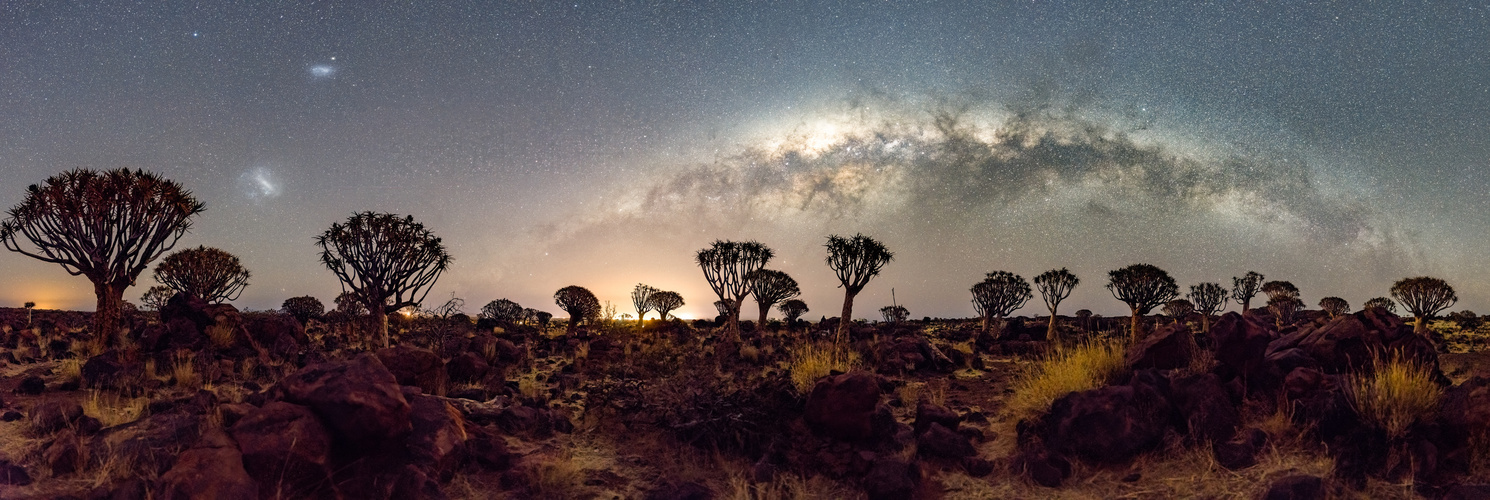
(203, 272)
(856, 259)
(387, 261)
(1142, 286)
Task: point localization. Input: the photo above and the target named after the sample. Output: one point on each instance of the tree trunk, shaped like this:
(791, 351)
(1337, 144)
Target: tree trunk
(1420, 326)
(106, 315)
(987, 323)
(1246, 306)
(1050, 334)
(734, 320)
(1137, 327)
(765, 309)
(1205, 324)
(845, 319)
(641, 319)
(380, 327)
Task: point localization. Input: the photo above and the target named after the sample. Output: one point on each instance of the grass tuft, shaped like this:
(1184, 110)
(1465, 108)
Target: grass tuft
(813, 361)
(1395, 394)
(1081, 367)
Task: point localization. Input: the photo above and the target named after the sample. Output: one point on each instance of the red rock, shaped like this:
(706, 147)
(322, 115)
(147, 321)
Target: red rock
(285, 448)
(415, 367)
(358, 399)
(210, 470)
(843, 406)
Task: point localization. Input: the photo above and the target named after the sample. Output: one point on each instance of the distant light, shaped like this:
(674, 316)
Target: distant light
(322, 71)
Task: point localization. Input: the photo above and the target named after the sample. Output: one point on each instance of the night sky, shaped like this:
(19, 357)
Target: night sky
(1340, 147)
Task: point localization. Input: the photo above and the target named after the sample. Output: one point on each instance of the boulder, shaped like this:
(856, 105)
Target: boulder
(1240, 343)
(51, 415)
(941, 442)
(1042, 466)
(1109, 425)
(278, 334)
(1345, 343)
(680, 490)
(13, 475)
(438, 437)
(928, 413)
(103, 370)
(1296, 487)
(891, 479)
(186, 307)
(64, 454)
(211, 470)
(415, 367)
(150, 444)
(358, 399)
(1167, 347)
(31, 386)
(487, 451)
(1241, 451)
(1205, 408)
(467, 367)
(842, 406)
(285, 448)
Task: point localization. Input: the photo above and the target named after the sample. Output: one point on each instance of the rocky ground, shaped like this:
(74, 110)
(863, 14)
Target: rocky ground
(202, 401)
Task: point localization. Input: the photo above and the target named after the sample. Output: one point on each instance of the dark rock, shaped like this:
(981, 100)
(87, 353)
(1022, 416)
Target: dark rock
(1132, 477)
(1205, 407)
(488, 451)
(64, 454)
(438, 436)
(842, 406)
(977, 467)
(48, 416)
(186, 307)
(1167, 347)
(1108, 425)
(467, 367)
(103, 370)
(681, 490)
(129, 489)
(1043, 467)
(1359, 453)
(285, 448)
(278, 334)
(1240, 343)
(13, 475)
(151, 444)
(358, 399)
(234, 412)
(928, 413)
(211, 470)
(1302, 382)
(32, 386)
(891, 479)
(472, 393)
(1296, 487)
(414, 367)
(942, 442)
(11, 416)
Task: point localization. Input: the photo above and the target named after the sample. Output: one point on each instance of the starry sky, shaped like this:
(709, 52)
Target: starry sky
(1340, 146)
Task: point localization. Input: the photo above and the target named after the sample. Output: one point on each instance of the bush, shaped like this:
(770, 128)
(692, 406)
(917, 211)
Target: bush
(1396, 393)
(812, 361)
(1081, 367)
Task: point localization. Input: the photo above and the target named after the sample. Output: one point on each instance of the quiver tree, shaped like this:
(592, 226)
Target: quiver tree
(665, 302)
(894, 314)
(1178, 309)
(1277, 289)
(105, 226)
(203, 272)
(1209, 299)
(579, 303)
(1382, 303)
(350, 305)
(854, 260)
(503, 311)
(303, 308)
(543, 317)
(387, 262)
(1334, 306)
(1244, 288)
(1284, 307)
(726, 266)
(769, 287)
(724, 307)
(1142, 287)
(1424, 297)
(1000, 293)
(641, 298)
(29, 307)
(1055, 285)
(156, 297)
(792, 309)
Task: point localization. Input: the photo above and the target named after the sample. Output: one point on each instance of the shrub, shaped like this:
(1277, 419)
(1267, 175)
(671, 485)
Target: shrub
(1394, 394)
(812, 361)
(1084, 366)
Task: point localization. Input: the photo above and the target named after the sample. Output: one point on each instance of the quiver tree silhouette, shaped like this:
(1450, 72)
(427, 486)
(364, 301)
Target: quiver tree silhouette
(105, 226)
(1244, 288)
(855, 260)
(1055, 285)
(769, 287)
(387, 262)
(303, 308)
(543, 317)
(29, 307)
(156, 297)
(665, 302)
(894, 314)
(1178, 309)
(203, 272)
(641, 298)
(1424, 297)
(1142, 287)
(1209, 299)
(724, 307)
(1382, 303)
(726, 265)
(579, 303)
(1284, 307)
(1276, 289)
(350, 305)
(1334, 306)
(1000, 293)
(1084, 316)
(792, 309)
(503, 311)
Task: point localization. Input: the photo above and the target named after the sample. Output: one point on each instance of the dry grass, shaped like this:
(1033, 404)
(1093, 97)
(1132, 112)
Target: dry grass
(112, 409)
(529, 386)
(555, 479)
(1070, 369)
(782, 487)
(184, 369)
(221, 336)
(1397, 393)
(70, 370)
(813, 361)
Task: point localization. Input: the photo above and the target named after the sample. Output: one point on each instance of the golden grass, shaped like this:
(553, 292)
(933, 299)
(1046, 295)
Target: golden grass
(221, 336)
(183, 369)
(555, 479)
(70, 370)
(112, 409)
(1397, 393)
(782, 487)
(812, 361)
(1081, 367)
(529, 386)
